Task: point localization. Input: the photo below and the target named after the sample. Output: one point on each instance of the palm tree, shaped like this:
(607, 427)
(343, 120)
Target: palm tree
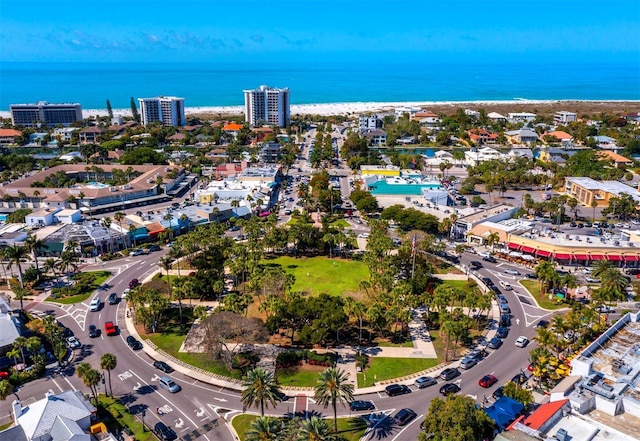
(333, 387)
(6, 389)
(90, 377)
(132, 230)
(260, 389)
(108, 362)
(20, 343)
(36, 195)
(594, 205)
(613, 284)
(15, 254)
(264, 429)
(546, 273)
(119, 217)
(51, 265)
(315, 429)
(600, 267)
(493, 239)
(169, 217)
(33, 245)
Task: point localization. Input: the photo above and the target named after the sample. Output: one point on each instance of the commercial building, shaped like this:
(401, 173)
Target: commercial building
(587, 190)
(267, 105)
(169, 110)
(9, 136)
(45, 113)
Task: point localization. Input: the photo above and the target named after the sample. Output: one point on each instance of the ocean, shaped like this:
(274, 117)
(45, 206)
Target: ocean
(214, 84)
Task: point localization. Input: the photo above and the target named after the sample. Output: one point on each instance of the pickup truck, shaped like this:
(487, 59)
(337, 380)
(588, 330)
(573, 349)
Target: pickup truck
(110, 328)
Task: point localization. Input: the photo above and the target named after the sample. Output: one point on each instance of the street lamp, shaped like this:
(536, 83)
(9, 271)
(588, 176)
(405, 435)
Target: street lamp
(143, 426)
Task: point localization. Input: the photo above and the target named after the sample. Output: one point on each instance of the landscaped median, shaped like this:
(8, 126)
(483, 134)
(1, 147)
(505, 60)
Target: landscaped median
(350, 429)
(533, 286)
(86, 283)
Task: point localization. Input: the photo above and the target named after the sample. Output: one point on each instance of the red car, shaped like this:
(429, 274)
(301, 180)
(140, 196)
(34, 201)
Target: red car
(4, 374)
(488, 381)
(110, 328)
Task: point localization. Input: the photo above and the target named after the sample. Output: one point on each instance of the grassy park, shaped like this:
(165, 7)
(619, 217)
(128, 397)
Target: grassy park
(316, 275)
(383, 368)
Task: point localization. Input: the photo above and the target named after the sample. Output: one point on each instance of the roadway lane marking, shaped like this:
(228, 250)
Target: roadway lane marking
(126, 374)
(406, 427)
(71, 385)
(166, 408)
(57, 385)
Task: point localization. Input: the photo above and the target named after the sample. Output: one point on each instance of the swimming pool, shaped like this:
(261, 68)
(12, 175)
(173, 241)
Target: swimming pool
(383, 187)
(95, 185)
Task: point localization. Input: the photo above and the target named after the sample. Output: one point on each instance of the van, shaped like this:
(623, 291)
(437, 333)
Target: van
(95, 304)
(169, 385)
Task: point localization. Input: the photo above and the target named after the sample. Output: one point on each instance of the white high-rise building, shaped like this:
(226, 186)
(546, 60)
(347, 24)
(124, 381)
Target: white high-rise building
(267, 105)
(169, 110)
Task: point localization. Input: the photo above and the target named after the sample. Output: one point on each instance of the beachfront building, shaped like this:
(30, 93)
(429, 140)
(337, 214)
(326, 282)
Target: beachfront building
(472, 113)
(369, 122)
(376, 138)
(168, 110)
(563, 117)
(587, 190)
(45, 113)
(267, 105)
(521, 117)
(607, 143)
(64, 133)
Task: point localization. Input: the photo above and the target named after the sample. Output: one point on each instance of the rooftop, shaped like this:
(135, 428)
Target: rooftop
(485, 214)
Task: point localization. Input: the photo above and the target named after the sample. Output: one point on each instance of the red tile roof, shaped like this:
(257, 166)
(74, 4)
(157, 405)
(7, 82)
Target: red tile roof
(543, 414)
(9, 132)
(559, 134)
(232, 127)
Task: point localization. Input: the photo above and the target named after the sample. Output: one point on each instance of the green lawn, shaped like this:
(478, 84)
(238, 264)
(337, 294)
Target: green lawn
(383, 368)
(115, 415)
(321, 274)
(460, 284)
(302, 377)
(533, 286)
(102, 276)
(352, 429)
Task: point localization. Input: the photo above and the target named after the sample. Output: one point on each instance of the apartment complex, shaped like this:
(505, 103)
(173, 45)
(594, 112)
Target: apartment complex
(587, 190)
(169, 110)
(267, 105)
(45, 113)
(564, 117)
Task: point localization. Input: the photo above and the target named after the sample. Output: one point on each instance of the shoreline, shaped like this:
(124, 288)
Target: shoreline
(351, 108)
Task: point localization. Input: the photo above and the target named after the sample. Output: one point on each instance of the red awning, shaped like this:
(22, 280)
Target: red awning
(514, 246)
(563, 256)
(596, 257)
(544, 253)
(630, 258)
(614, 257)
(580, 257)
(528, 250)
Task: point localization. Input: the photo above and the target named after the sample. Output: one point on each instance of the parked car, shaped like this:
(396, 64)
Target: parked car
(110, 329)
(520, 378)
(164, 367)
(449, 374)
(404, 416)
(169, 385)
(467, 363)
(163, 432)
(113, 298)
(359, 405)
(542, 324)
(490, 259)
(498, 393)
(423, 382)
(494, 343)
(505, 320)
(502, 332)
(4, 375)
(93, 331)
(604, 309)
(474, 265)
(513, 272)
(531, 276)
(449, 388)
(397, 389)
(134, 343)
(73, 343)
(487, 381)
(153, 247)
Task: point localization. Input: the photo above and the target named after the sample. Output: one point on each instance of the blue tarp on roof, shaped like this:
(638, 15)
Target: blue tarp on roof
(504, 411)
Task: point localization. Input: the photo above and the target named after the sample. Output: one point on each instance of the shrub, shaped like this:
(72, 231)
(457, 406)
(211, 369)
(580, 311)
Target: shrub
(362, 360)
(288, 359)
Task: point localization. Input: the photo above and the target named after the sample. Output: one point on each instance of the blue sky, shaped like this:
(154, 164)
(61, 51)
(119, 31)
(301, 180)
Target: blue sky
(303, 30)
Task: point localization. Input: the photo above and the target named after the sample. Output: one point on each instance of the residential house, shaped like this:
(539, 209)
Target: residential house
(477, 155)
(607, 143)
(472, 113)
(10, 327)
(90, 135)
(521, 117)
(563, 117)
(64, 416)
(232, 129)
(521, 136)
(9, 136)
(562, 137)
(376, 137)
(555, 154)
(617, 160)
(259, 134)
(496, 117)
(400, 111)
(631, 118)
(64, 133)
(177, 139)
(427, 119)
(482, 136)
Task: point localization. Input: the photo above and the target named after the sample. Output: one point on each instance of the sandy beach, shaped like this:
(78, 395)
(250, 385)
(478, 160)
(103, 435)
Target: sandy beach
(446, 107)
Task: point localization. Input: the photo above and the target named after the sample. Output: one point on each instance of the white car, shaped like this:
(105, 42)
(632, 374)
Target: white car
(484, 254)
(513, 272)
(522, 341)
(363, 235)
(73, 343)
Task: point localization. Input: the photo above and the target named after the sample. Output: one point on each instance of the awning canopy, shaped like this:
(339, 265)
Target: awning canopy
(514, 246)
(630, 258)
(528, 250)
(596, 256)
(515, 254)
(563, 256)
(528, 257)
(544, 253)
(580, 257)
(614, 257)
